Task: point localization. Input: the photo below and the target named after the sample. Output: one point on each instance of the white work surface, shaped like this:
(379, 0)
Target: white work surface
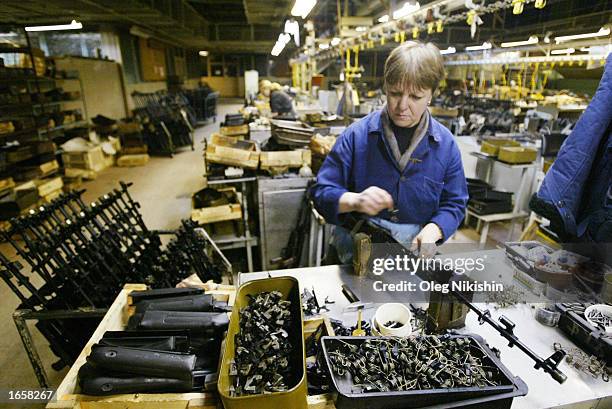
(578, 391)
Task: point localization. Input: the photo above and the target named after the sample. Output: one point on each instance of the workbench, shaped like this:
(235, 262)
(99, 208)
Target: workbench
(578, 391)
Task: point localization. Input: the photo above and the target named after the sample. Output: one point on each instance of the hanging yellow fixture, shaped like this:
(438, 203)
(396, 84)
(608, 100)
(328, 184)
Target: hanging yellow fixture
(415, 33)
(540, 4)
(439, 27)
(517, 6)
(430, 28)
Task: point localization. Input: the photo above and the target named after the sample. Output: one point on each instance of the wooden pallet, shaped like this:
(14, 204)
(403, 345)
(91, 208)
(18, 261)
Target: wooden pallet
(213, 214)
(92, 159)
(235, 130)
(228, 151)
(285, 159)
(47, 186)
(133, 160)
(74, 173)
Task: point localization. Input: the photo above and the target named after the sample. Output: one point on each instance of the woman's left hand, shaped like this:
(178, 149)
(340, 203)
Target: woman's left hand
(424, 243)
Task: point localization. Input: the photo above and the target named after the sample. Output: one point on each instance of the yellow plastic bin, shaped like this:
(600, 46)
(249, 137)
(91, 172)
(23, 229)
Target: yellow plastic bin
(295, 397)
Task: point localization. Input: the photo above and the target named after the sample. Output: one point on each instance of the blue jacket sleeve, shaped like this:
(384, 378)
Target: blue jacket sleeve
(333, 178)
(453, 198)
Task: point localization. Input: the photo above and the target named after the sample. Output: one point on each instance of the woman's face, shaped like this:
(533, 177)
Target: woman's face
(406, 106)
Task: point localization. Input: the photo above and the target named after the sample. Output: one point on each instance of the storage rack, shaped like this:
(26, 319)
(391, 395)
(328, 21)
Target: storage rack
(26, 104)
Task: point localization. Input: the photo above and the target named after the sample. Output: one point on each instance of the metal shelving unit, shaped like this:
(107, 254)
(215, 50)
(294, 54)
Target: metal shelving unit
(247, 240)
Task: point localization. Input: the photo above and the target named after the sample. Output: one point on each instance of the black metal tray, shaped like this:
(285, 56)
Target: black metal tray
(580, 331)
(497, 397)
(487, 206)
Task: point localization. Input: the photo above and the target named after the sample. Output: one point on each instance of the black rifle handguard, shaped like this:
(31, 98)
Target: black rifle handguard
(143, 362)
(198, 322)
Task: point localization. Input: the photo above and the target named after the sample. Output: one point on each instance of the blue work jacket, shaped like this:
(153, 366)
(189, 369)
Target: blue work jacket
(431, 188)
(579, 183)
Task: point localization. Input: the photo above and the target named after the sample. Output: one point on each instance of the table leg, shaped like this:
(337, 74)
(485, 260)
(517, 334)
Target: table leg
(484, 233)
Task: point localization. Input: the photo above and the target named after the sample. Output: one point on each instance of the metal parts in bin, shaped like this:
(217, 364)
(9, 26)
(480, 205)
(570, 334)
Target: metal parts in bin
(295, 396)
(370, 372)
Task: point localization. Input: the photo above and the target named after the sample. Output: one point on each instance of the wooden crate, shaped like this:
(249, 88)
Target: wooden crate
(448, 112)
(228, 151)
(93, 159)
(68, 396)
(48, 198)
(80, 173)
(285, 159)
(133, 160)
(48, 167)
(213, 214)
(47, 186)
(234, 130)
(134, 150)
(7, 183)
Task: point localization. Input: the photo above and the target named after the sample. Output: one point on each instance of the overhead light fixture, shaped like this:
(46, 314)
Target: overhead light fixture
(203, 53)
(74, 25)
(563, 51)
(284, 38)
(324, 46)
(278, 48)
(293, 27)
(604, 31)
(449, 50)
(485, 46)
(547, 38)
(407, 8)
(302, 8)
(383, 19)
(335, 41)
(361, 29)
(532, 40)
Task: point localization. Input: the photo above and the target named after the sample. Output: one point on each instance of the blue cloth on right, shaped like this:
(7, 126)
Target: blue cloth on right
(579, 183)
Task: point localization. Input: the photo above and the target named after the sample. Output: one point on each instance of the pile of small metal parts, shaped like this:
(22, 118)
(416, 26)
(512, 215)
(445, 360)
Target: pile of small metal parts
(413, 363)
(507, 298)
(311, 305)
(585, 363)
(601, 319)
(262, 348)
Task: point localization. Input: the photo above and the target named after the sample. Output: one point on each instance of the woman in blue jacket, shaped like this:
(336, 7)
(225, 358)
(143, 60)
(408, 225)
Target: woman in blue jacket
(398, 165)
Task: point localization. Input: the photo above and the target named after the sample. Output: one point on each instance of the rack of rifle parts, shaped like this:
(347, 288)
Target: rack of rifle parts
(83, 254)
(167, 119)
(172, 344)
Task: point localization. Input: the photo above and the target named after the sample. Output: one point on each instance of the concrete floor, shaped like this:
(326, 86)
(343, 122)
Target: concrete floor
(163, 187)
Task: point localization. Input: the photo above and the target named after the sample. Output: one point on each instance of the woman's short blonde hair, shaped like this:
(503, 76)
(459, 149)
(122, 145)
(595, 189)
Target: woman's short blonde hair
(414, 65)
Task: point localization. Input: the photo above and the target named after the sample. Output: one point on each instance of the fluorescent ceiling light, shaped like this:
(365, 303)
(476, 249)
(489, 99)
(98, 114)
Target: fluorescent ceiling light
(324, 46)
(284, 38)
(361, 28)
(302, 8)
(335, 41)
(532, 40)
(278, 48)
(203, 53)
(449, 50)
(74, 25)
(485, 46)
(604, 31)
(563, 51)
(383, 19)
(406, 9)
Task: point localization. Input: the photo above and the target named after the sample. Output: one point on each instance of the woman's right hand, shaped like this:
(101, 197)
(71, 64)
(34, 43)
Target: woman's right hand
(371, 201)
